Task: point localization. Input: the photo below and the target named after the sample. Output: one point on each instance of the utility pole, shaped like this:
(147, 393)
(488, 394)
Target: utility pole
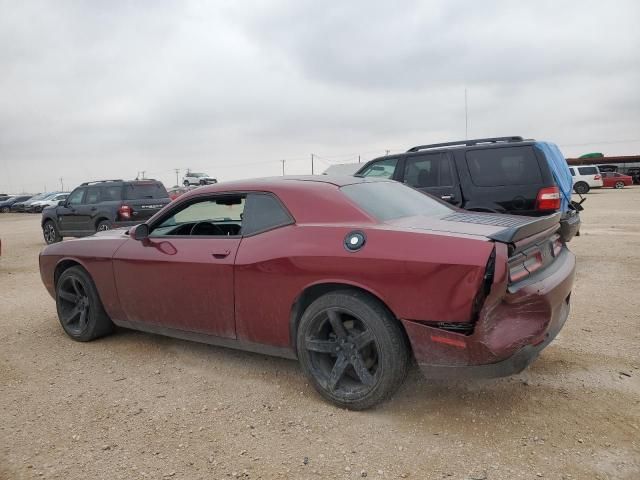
(61, 184)
(466, 117)
(177, 170)
(312, 164)
(358, 158)
(143, 172)
(283, 166)
(387, 152)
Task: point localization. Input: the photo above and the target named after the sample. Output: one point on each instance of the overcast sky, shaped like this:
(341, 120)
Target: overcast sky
(105, 89)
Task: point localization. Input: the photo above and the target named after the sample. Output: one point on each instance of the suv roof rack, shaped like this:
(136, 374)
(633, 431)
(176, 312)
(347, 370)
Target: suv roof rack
(467, 143)
(101, 181)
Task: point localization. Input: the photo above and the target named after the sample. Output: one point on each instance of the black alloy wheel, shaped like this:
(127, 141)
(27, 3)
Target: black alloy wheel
(74, 305)
(619, 185)
(352, 349)
(50, 233)
(80, 310)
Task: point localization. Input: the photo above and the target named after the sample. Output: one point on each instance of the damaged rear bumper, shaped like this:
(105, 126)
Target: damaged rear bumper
(509, 334)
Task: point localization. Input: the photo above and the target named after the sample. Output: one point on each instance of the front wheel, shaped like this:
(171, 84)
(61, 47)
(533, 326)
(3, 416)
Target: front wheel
(50, 233)
(352, 349)
(5, 210)
(581, 188)
(619, 185)
(80, 310)
(186, 183)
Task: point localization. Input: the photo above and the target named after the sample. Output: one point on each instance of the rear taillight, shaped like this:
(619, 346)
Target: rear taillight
(548, 199)
(124, 212)
(597, 177)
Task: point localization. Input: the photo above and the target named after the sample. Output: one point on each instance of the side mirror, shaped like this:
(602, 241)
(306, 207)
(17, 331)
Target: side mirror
(139, 232)
(62, 203)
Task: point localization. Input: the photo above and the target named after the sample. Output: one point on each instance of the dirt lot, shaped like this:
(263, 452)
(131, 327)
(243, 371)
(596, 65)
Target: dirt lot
(142, 406)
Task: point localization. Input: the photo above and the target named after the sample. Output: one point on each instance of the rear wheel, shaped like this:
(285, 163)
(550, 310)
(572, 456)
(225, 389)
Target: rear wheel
(619, 185)
(80, 310)
(50, 233)
(352, 349)
(5, 210)
(186, 183)
(103, 226)
(581, 188)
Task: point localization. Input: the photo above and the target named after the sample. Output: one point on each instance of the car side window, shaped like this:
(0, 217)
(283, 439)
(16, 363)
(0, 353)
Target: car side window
(588, 170)
(218, 216)
(573, 173)
(428, 171)
(93, 196)
(264, 212)
(111, 193)
(381, 169)
(76, 197)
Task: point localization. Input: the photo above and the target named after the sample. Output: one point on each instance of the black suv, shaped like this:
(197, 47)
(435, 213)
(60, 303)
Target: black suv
(499, 175)
(102, 205)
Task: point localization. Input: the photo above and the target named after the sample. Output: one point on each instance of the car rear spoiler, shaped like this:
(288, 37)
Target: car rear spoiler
(528, 229)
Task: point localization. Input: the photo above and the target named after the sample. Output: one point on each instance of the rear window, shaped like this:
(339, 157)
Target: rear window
(588, 170)
(497, 167)
(391, 200)
(140, 191)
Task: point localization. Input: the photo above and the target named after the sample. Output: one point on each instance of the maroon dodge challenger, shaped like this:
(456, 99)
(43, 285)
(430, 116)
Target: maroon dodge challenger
(351, 276)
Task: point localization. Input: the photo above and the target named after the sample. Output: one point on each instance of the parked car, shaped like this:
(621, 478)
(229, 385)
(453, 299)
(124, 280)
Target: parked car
(21, 206)
(175, 192)
(192, 178)
(616, 180)
(634, 173)
(351, 276)
(102, 205)
(497, 175)
(5, 206)
(28, 205)
(585, 178)
(51, 201)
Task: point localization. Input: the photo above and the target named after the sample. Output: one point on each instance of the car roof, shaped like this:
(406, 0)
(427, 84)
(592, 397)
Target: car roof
(275, 183)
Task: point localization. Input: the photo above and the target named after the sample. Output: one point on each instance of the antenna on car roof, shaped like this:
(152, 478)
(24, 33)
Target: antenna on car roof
(467, 143)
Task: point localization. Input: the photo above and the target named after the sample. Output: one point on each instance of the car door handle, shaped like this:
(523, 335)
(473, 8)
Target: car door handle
(221, 254)
(446, 197)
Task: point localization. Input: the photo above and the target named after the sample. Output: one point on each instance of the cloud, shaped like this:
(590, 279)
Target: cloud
(90, 90)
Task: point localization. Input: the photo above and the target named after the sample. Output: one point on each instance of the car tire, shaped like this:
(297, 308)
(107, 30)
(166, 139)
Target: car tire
(80, 310)
(352, 349)
(186, 183)
(5, 209)
(103, 226)
(50, 233)
(619, 185)
(581, 188)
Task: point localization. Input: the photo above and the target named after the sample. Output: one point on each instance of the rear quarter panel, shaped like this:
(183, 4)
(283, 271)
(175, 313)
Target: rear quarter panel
(419, 276)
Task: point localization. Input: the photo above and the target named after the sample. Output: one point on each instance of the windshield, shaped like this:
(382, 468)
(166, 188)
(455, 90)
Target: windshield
(197, 174)
(390, 200)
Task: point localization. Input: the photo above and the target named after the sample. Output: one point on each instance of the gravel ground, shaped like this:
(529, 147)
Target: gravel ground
(135, 405)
